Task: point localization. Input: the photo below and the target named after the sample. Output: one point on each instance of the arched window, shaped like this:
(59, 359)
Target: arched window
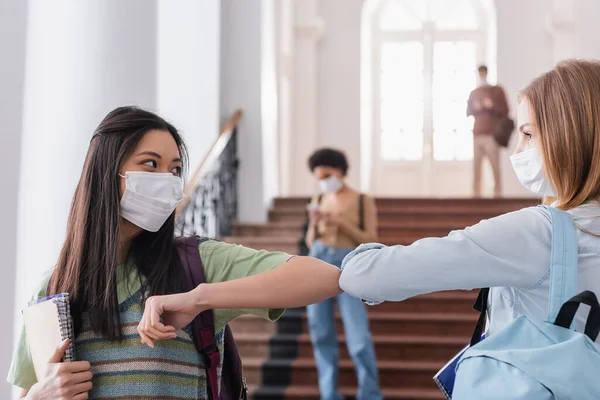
(422, 56)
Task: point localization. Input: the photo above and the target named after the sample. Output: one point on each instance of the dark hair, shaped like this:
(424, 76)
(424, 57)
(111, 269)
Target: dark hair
(328, 158)
(482, 68)
(87, 264)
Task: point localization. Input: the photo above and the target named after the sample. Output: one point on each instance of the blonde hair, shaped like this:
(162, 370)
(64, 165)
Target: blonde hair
(565, 105)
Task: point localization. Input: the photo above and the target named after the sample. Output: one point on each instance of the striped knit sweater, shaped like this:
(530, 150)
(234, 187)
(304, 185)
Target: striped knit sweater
(129, 370)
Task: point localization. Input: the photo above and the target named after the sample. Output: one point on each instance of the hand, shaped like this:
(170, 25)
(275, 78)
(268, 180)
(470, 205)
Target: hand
(333, 219)
(176, 310)
(315, 216)
(61, 380)
(488, 103)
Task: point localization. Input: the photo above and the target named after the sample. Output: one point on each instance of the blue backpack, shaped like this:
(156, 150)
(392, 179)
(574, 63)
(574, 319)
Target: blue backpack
(537, 360)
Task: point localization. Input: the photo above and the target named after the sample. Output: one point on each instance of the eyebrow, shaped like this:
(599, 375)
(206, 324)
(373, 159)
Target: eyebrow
(524, 126)
(153, 154)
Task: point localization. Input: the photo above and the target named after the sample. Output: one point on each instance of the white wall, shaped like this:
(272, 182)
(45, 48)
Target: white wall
(188, 62)
(241, 88)
(587, 28)
(525, 50)
(13, 16)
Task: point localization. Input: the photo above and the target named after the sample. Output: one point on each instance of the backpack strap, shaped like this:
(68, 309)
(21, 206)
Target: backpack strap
(361, 212)
(481, 306)
(203, 326)
(563, 268)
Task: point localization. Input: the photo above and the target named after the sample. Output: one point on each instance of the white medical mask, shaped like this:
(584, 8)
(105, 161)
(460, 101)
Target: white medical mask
(530, 171)
(331, 185)
(150, 198)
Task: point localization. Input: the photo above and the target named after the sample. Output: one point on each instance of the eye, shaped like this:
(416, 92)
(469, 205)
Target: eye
(150, 163)
(528, 135)
(176, 171)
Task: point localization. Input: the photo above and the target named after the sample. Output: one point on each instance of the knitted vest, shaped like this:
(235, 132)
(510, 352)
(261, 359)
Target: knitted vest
(129, 370)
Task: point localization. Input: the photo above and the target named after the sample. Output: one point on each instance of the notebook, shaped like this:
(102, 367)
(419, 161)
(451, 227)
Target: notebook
(48, 323)
(446, 375)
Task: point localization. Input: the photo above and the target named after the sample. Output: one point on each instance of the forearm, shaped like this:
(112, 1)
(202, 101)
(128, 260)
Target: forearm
(357, 234)
(310, 234)
(299, 282)
(490, 254)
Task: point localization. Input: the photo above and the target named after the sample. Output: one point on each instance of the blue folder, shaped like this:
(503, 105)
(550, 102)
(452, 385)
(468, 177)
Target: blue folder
(446, 375)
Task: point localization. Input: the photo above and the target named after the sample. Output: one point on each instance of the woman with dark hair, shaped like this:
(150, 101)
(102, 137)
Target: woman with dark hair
(120, 249)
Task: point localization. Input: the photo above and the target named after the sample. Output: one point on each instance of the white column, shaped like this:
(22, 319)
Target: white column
(83, 59)
(308, 31)
(269, 117)
(561, 26)
(285, 62)
(13, 17)
(241, 89)
(188, 60)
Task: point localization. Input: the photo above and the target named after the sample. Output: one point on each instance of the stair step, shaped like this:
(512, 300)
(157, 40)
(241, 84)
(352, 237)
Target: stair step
(410, 374)
(396, 217)
(284, 229)
(385, 201)
(412, 223)
(439, 208)
(431, 324)
(440, 302)
(310, 392)
(290, 244)
(387, 347)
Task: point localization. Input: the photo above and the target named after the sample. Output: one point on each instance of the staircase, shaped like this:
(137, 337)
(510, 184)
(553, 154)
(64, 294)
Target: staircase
(413, 339)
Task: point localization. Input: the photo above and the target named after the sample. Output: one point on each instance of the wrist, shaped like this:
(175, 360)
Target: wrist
(31, 393)
(201, 297)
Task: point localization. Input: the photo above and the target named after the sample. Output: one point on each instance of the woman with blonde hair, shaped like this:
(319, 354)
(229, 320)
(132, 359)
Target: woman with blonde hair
(557, 157)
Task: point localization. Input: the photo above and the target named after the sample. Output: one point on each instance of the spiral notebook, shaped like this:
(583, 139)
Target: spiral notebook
(48, 323)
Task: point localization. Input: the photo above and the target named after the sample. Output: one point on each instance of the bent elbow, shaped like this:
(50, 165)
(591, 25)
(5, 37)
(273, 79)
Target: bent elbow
(357, 282)
(347, 280)
(349, 283)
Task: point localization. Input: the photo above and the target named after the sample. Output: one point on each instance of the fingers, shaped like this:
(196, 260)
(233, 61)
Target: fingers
(82, 388)
(151, 328)
(155, 309)
(149, 334)
(81, 377)
(77, 366)
(81, 396)
(59, 353)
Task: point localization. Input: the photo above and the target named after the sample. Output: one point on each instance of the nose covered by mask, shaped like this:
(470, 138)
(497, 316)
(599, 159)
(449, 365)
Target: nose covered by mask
(150, 198)
(529, 168)
(330, 185)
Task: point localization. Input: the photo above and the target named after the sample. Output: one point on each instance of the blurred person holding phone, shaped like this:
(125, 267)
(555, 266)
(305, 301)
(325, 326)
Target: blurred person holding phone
(340, 218)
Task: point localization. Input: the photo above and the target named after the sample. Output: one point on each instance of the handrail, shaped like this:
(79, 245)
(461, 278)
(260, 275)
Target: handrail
(206, 165)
